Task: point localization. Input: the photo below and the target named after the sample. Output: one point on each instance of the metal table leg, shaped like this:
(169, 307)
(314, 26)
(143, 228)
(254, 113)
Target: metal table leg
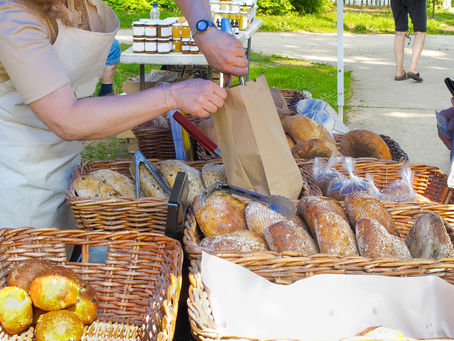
(142, 77)
(248, 55)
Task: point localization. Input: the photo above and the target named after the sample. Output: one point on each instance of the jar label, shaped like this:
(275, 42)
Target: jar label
(166, 31)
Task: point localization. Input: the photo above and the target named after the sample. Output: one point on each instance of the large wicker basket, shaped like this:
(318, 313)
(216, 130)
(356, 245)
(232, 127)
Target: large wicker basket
(138, 287)
(144, 214)
(288, 268)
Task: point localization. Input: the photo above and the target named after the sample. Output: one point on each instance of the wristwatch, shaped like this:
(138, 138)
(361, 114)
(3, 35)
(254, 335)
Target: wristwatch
(203, 24)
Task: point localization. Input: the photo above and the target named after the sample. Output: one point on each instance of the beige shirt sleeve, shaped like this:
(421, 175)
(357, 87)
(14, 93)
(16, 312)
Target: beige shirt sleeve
(27, 54)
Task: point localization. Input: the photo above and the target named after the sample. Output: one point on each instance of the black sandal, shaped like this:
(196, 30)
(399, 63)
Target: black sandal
(416, 76)
(401, 78)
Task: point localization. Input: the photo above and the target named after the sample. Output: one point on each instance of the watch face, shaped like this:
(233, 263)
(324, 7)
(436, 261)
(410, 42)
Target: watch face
(202, 25)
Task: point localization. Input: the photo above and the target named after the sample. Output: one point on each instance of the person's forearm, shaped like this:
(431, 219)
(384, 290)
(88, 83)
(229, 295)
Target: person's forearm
(194, 10)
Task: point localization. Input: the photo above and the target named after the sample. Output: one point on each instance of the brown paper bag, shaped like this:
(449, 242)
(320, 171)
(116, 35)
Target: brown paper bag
(254, 149)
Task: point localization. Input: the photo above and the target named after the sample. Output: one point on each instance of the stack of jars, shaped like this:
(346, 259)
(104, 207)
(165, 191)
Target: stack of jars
(162, 36)
(238, 15)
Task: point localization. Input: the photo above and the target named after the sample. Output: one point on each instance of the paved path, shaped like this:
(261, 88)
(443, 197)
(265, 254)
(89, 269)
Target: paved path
(402, 110)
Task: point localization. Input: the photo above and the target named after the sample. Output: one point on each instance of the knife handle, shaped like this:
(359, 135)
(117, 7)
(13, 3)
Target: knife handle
(204, 140)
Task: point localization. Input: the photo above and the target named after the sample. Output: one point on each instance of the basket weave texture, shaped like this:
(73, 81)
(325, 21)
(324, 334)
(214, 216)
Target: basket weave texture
(143, 214)
(288, 268)
(138, 287)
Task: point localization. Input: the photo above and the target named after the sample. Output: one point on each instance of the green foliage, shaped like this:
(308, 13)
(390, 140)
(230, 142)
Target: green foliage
(277, 7)
(308, 6)
(141, 5)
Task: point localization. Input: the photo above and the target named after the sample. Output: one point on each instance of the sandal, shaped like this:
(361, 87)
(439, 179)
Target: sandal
(401, 78)
(416, 76)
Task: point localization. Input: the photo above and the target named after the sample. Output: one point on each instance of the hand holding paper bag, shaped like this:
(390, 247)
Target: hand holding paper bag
(254, 149)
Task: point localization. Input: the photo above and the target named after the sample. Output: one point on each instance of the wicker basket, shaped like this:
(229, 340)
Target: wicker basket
(288, 268)
(138, 287)
(144, 214)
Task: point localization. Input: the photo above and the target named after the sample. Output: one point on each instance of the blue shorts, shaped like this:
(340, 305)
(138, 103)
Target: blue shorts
(114, 53)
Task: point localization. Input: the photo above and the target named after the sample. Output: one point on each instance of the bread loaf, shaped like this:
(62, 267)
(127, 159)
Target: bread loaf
(360, 205)
(212, 172)
(24, 273)
(238, 241)
(364, 143)
(88, 187)
(312, 148)
(286, 236)
(309, 207)
(428, 238)
(207, 127)
(149, 186)
(278, 98)
(302, 128)
(220, 214)
(334, 234)
(259, 217)
(290, 141)
(119, 182)
(374, 241)
(170, 169)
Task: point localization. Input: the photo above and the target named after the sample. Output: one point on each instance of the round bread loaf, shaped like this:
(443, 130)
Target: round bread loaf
(364, 143)
(309, 207)
(334, 234)
(374, 241)
(290, 141)
(302, 128)
(238, 241)
(119, 182)
(170, 169)
(212, 172)
(359, 205)
(25, 272)
(87, 186)
(286, 236)
(428, 238)
(221, 213)
(313, 148)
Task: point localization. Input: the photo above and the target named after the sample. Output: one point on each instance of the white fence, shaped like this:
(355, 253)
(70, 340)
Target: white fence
(382, 3)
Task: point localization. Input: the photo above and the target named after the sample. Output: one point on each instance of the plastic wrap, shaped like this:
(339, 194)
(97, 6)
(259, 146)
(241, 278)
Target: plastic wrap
(402, 189)
(338, 188)
(324, 174)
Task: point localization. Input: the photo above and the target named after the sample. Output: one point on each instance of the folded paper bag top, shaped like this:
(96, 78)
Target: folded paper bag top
(254, 149)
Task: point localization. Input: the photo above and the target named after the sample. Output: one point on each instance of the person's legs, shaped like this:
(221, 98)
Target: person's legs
(399, 46)
(418, 15)
(418, 45)
(400, 15)
(110, 69)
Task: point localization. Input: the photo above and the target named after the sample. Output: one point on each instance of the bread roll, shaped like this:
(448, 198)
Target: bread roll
(24, 273)
(309, 207)
(290, 141)
(302, 128)
(220, 214)
(207, 127)
(360, 205)
(364, 143)
(259, 217)
(238, 241)
(334, 234)
(88, 187)
(428, 238)
(213, 172)
(149, 186)
(170, 168)
(313, 148)
(278, 98)
(286, 236)
(119, 182)
(374, 241)
(283, 114)
(16, 312)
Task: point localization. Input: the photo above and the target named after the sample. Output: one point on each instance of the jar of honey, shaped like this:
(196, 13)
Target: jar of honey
(176, 31)
(193, 48)
(176, 45)
(185, 45)
(151, 31)
(151, 45)
(185, 30)
(138, 45)
(164, 29)
(163, 45)
(138, 29)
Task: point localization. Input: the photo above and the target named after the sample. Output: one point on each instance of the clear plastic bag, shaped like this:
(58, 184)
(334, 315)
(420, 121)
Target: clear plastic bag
(324, 174)
(402, 189)
(339, 188)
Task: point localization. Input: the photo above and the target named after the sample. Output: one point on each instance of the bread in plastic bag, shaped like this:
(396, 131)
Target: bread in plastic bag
(324, 174)
(338, 188)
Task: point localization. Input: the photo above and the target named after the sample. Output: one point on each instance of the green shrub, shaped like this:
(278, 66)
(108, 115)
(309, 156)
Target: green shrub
(275, 7)
(308, 6)
(140, 5)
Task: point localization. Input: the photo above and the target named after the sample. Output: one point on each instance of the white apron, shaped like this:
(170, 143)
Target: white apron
(35, 164)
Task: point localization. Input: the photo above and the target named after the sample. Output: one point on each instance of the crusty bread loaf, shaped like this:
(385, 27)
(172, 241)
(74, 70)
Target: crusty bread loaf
(364, 143)
(207, 127)
(290, 141)
(312, 148)
(212, 172)
(309, 207)
(239, 241)
(360, 205)
(302, 128)
(259, 217)
(149, 186)
(119, 182)
(221, 213)
(278, 98)
(87, 186)
(334, 235)
(170, 169)
(286, 236)
(428, 238)
(374, 241)
(283, 114)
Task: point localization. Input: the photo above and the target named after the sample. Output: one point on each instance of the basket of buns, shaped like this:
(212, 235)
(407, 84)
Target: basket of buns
(132, 296)
(102, 194)
(361, 235)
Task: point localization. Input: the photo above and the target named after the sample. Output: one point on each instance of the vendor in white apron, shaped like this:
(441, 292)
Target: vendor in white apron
(44, 76)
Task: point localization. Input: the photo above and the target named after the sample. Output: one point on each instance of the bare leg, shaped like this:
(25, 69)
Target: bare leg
(399, 43)
(417, 50)
(109, 73)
